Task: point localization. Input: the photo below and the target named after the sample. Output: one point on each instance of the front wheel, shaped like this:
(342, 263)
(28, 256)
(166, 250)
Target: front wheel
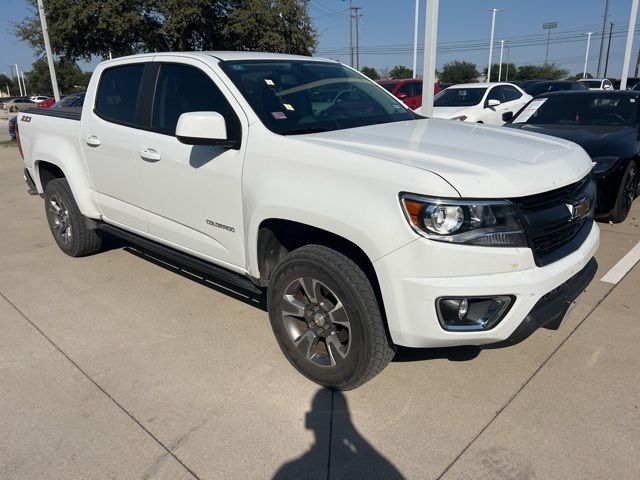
(626, 193)
(325, 316)
(13, 109)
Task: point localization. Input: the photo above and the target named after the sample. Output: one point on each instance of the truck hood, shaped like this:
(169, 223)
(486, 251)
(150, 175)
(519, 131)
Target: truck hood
(449, 112)
(477, 160)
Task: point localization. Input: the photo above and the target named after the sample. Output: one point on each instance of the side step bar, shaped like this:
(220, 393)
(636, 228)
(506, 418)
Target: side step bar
(183, 258)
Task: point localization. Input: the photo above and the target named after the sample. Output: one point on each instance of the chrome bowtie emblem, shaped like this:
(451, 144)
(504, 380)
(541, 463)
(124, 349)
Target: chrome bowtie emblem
(579, 209)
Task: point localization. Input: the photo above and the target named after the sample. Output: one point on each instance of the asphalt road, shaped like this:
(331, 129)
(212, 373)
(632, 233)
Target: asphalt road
(120, 366)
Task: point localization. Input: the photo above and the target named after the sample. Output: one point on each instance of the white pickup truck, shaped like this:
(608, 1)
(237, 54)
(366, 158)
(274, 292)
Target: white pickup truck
(367, 225)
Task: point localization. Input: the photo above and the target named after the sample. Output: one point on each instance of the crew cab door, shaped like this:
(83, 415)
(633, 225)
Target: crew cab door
(109, 127)
(192, 193)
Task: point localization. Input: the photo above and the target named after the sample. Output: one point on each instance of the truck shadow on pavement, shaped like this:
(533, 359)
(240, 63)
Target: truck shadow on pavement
(339, 449)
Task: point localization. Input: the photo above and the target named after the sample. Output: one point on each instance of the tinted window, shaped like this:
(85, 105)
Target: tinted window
(496, 94)
(291, 96)
(182, 89)
(459, 97)
(584, 109)
(388, 86)
(410, 89)
(118, 93)
(510, 93)
(593, 83)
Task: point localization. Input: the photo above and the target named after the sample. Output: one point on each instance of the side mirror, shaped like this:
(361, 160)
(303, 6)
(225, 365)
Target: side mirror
(507, 116)
(493, 103)
(203, 128)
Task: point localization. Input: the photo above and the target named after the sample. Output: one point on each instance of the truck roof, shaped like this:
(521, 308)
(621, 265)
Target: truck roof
(228, 56)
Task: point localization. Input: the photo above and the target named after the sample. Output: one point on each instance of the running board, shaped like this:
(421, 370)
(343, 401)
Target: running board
(183, 258)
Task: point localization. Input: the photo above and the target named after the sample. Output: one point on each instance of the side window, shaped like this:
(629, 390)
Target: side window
(181, 89)
(408, 89)
(118, 93)
(496, 94)
(510, 93)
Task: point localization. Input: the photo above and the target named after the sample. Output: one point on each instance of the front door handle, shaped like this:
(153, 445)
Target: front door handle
(149, 154)
(92, 140)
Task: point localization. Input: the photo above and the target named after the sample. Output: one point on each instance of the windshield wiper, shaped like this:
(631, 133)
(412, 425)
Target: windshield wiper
(300, 131)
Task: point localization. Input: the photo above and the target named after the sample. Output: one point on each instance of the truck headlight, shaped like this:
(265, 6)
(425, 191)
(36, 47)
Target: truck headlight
(475, 222)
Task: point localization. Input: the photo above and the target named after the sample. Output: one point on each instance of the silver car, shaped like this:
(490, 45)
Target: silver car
(19, 104)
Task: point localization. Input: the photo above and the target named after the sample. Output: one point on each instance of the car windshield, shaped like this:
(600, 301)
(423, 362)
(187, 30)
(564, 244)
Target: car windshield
(593, 83)
(459, 97)
(297, 96)
(580, 110)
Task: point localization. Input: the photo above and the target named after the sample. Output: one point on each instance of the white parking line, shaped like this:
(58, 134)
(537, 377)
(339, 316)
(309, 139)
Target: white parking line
(625, 264)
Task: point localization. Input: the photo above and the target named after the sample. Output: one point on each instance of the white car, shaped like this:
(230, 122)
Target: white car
(362, 225)
(491, 103)
(38, 98)
(597, 83)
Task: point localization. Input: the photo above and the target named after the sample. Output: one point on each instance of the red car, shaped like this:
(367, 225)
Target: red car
(409, 90)
(46, 103)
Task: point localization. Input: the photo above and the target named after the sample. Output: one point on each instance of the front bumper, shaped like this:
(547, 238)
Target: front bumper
(414, 276)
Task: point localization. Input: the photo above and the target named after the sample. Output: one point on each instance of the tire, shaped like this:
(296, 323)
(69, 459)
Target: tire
(626, 193)
(326, 318)
(67, 224)
(13, 109)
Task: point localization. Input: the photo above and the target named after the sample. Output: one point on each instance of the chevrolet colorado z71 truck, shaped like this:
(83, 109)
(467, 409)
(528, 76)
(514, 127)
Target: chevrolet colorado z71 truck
(368, 225)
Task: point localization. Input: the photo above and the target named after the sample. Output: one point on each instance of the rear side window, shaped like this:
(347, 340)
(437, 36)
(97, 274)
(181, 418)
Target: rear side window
(510, 93)
(118, 93)
(181, 89)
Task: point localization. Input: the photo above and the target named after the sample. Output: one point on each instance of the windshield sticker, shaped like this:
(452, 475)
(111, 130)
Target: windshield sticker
(397, 106)
(269, 82)
(237, 67)
(287, 106)
(530, 110)
(279, 115)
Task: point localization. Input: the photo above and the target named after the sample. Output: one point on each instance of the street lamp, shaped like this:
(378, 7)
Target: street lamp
(415, 40)
(506, 74)
(493, 29)
(548, 26)
(586, 55)
(500, 68)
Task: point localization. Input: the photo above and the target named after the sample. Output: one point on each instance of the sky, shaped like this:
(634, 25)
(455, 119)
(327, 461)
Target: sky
(386, 32)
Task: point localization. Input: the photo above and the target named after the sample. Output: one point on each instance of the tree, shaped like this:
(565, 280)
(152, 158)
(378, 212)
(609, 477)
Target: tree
(459, 72)
(82, 29)
(371, 72)
(71, 78)
(495, 70)
(578, 76)
(400, 71)
(271, 25)
(549, 71)
(12, 83)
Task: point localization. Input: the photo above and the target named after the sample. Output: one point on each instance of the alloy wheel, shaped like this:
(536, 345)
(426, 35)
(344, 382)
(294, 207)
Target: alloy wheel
(60, 217)
(317, 322)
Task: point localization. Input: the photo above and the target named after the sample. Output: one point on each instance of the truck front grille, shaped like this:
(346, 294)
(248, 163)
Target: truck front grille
(556, 223)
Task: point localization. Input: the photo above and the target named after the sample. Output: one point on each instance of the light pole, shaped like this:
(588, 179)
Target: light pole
(548, 26)
(500, 68)
(627, 50)
(415, 40)
(18, 77)
(493, 29)
(350, 32)
(430, 40)
(604, 26)
(586, 55)
(506, 74)
(47, 47)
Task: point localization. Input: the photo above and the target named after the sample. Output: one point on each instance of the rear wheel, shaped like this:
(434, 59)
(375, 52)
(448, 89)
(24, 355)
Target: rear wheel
(626, 193)
(13, 109)
(67, 223)
(326, 318)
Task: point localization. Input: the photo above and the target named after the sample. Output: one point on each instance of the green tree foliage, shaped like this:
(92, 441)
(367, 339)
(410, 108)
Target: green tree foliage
(400, 71)
(12, 83)
(495, 69)
(270, 25)
(370, 72)
(71, 78)
(459, 72)
(549, 71)
(81, 29)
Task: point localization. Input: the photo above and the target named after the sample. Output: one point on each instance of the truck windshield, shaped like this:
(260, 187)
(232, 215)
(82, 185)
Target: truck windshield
(296, 96)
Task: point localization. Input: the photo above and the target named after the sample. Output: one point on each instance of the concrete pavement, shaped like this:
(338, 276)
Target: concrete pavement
(121, 366)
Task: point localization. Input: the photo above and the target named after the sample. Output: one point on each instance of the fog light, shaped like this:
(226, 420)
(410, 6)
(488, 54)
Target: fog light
(465, 314)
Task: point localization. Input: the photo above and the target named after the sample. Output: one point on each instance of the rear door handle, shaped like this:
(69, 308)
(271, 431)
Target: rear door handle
(149, 154)
(92, 141)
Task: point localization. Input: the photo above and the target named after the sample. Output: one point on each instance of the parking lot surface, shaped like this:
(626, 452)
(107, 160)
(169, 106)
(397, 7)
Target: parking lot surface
(120, 365)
